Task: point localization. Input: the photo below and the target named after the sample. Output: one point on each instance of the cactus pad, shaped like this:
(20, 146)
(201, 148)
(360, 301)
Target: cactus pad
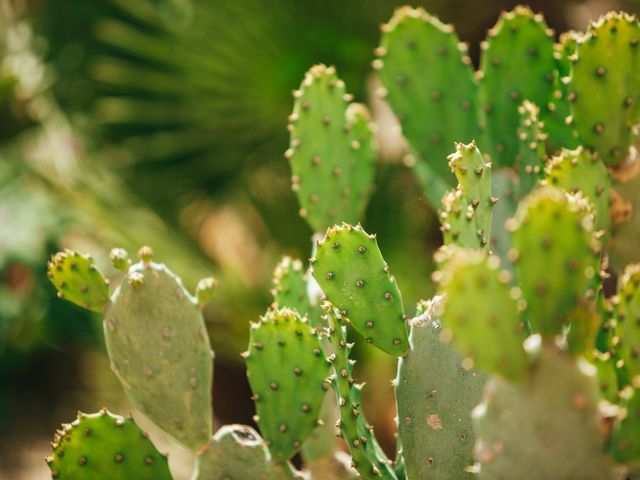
(531, 147)
(555, 112)
(546, 427)
(474, 181)
(159, 350)
(290, 289)
(103, 445)
(367, 456)
(239, 453)
(625, 444)
(605, 86)
(331, 151)
(429, 84)
(580, 170)
(628, 320)
(78, 280)
(468, 279)
(551, 228)
(435, 396)
(355, 278)
(516, 64)
(457, 221)
(287, 369)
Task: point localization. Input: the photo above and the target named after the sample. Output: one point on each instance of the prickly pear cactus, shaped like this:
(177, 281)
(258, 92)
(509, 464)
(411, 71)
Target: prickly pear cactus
(474, 181)
(531, 147)
(468, 279)
(545, 427)
(287, 369)
(435, 395)
(103, 445)
(580, 170)
(367, 456)
(350, 269)
(627, 313)
(331, 152)
(552, 228)
(516, 64)
(427, 74)
(605, 86)
(290, 289)
(237, 452)
(159, 350)
(625, 445)
(78, 280)
(155, 337)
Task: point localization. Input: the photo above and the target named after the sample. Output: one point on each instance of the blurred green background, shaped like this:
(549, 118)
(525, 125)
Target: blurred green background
(163, 122)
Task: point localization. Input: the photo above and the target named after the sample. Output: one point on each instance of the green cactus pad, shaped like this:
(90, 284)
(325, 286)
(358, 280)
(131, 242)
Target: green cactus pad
(331, 151)
(354, 277)
(239, 453)
(290, 289)
(531, 147)
(103, 445)
(367, 456)
(429, 83)
(546, 427)
(287, 369)
(580, 171)
(435, 396)
(553, 229)
(159, 349)
(555, 112)
(474, 180)
(78, 280)
(457, 222)
(627, 313)
(516, 64)
(481, 309)
(625, 444)
(605, 86)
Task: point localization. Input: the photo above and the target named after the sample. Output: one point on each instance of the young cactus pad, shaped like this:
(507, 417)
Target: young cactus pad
(331, 152)
(580, 170)
(605, 86)
(435, 396)
(517, 64)
(354, 277)
(468, 279)
(287, 369)
(103, 445)
(428, 75)
(159, 349)
(237, 452)
(78, 280)
(552, 228)
(474, 181)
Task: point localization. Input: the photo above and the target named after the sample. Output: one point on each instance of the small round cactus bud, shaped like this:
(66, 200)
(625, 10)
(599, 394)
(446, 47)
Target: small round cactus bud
(120, 258)
(205, 289)
(145, 254)
(136, 279)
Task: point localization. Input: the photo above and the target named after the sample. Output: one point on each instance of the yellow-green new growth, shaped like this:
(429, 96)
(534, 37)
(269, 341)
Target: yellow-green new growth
(78, 280)
(551, 228)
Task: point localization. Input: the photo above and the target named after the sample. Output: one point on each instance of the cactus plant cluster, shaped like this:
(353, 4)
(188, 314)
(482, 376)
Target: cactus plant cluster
(521, 366)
